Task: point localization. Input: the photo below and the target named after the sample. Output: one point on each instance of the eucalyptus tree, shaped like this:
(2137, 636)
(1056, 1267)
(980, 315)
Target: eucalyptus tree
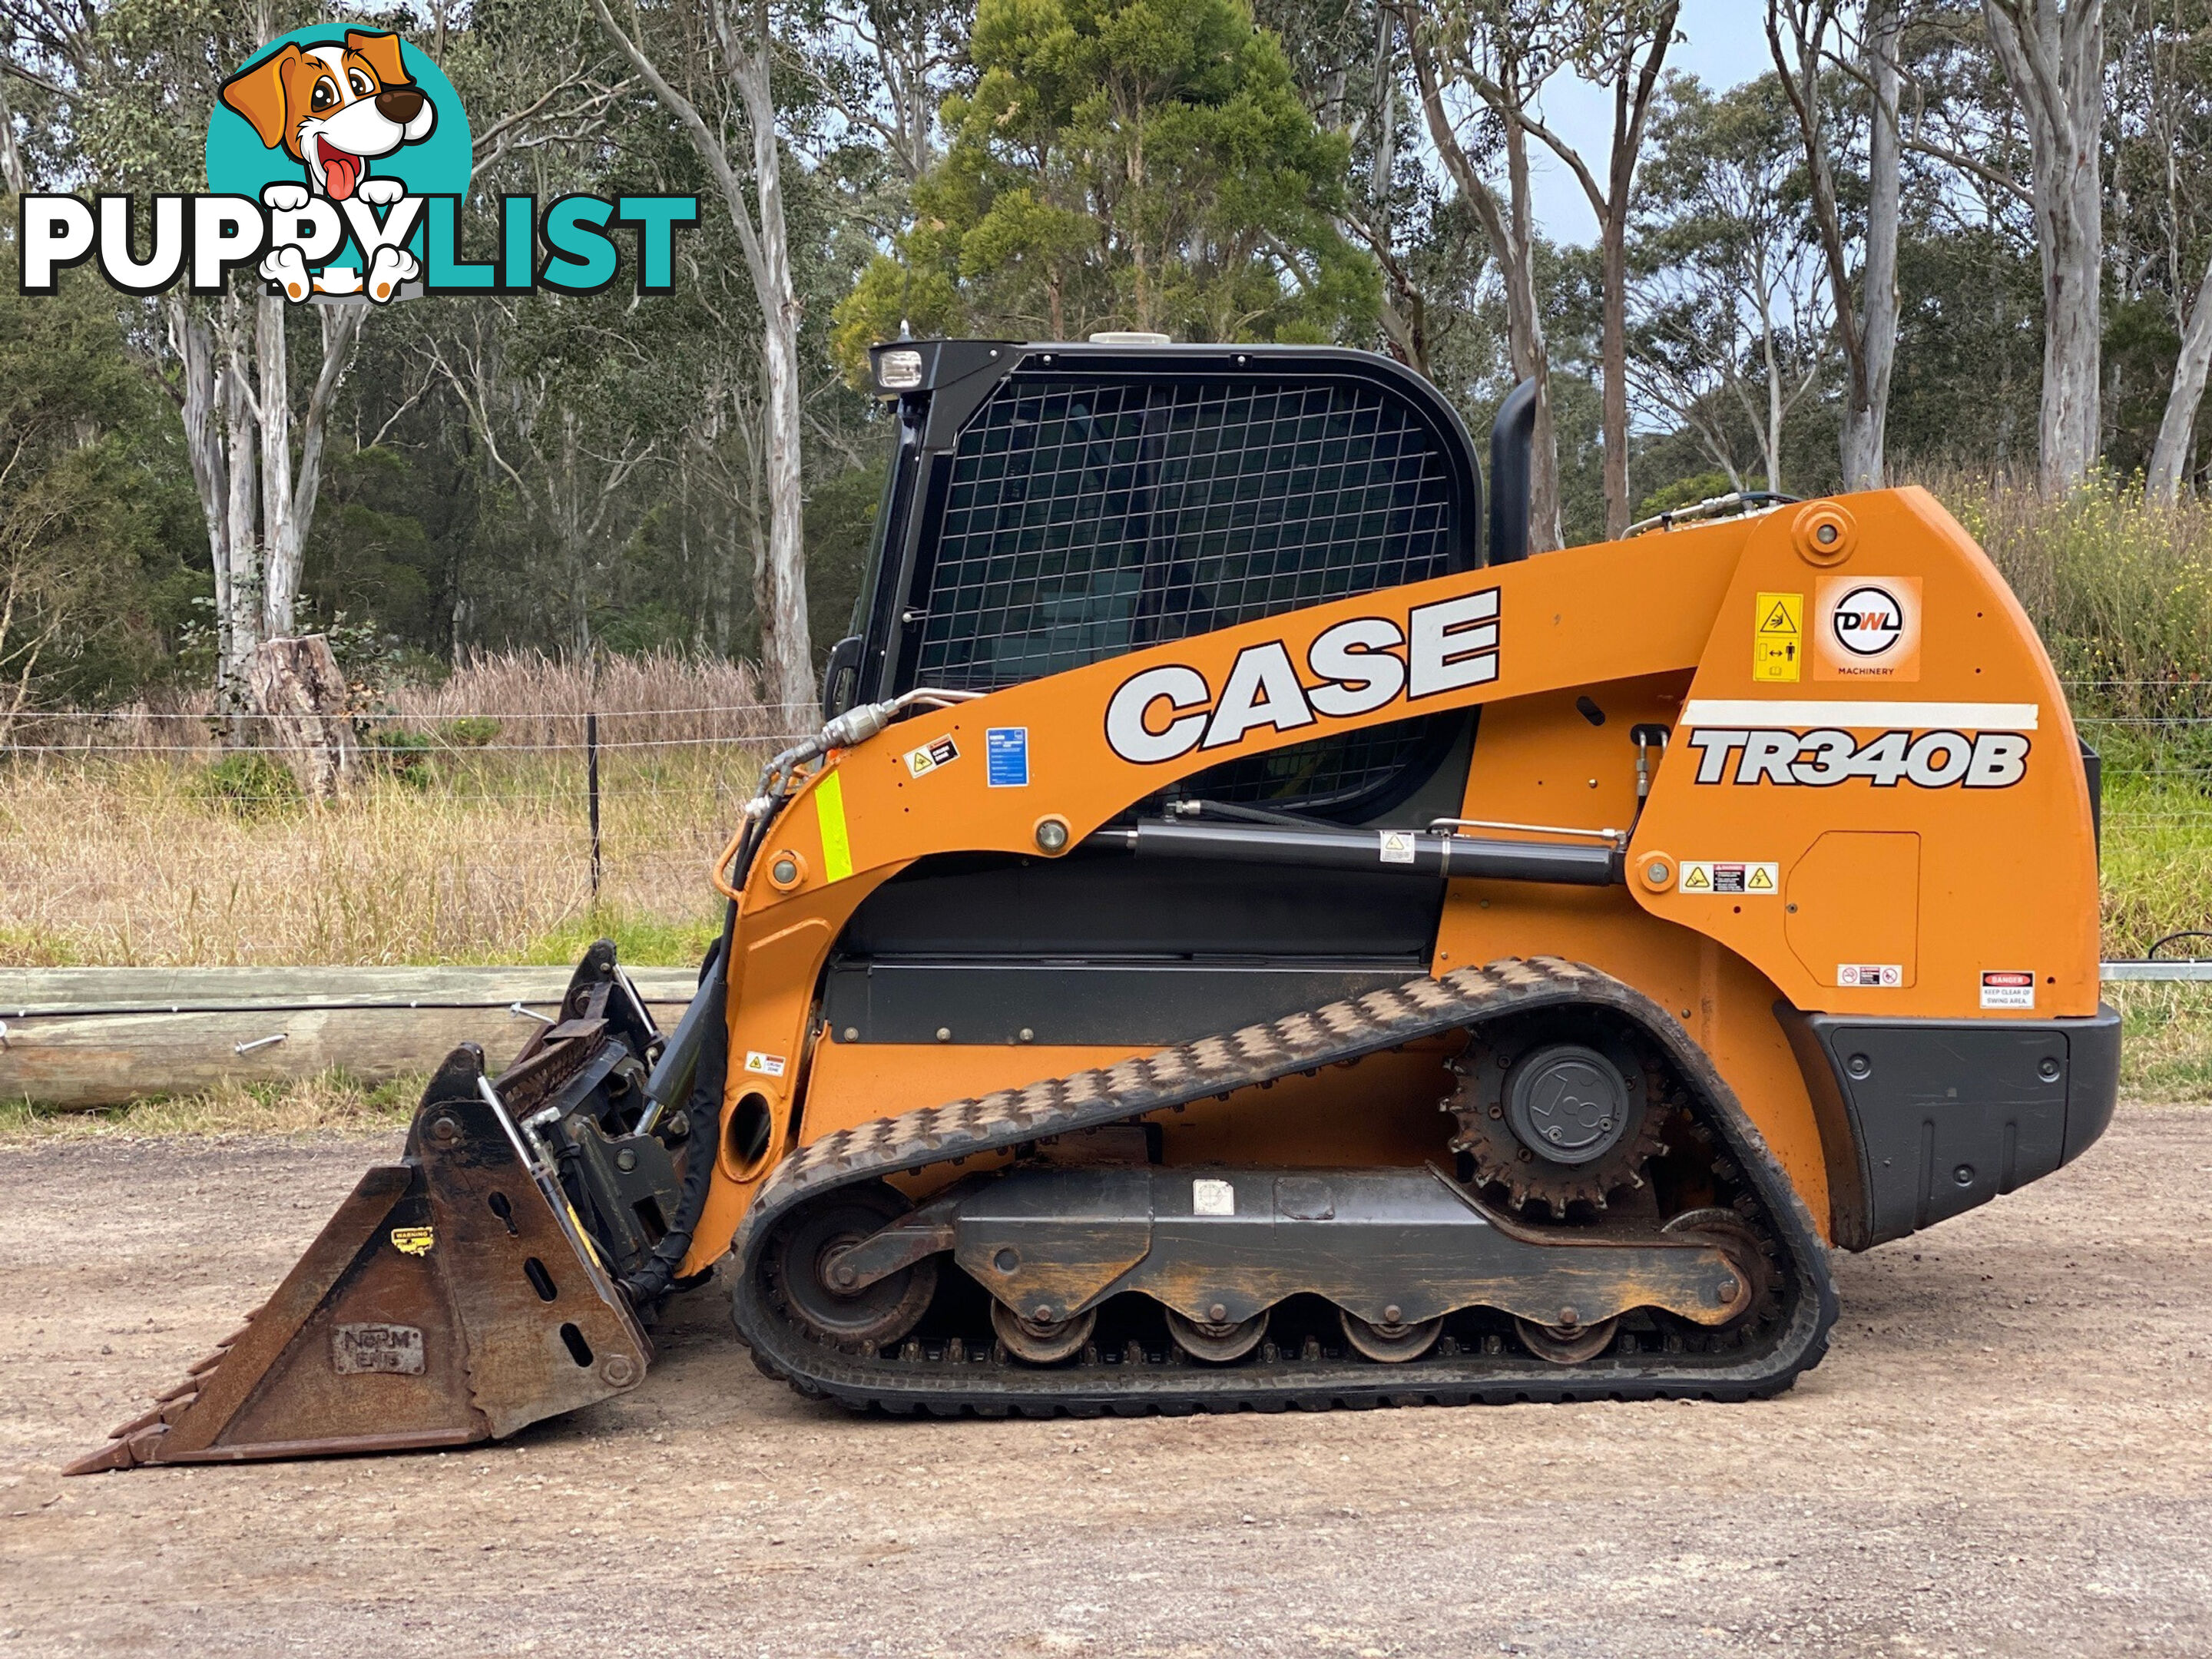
(1834, 51)
(1734, 320)
(714, 70)
(1502, 52)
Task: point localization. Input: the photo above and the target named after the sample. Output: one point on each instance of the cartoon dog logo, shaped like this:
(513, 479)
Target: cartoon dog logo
(334, 109)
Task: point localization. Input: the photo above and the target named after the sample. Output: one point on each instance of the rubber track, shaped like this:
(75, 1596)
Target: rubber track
(1217, 1065)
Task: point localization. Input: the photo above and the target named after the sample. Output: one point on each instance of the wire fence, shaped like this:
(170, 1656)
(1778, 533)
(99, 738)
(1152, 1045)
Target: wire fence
(694, 758)
(478, 826)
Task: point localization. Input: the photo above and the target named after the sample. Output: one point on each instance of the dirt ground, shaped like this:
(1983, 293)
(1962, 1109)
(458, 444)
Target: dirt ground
(2008, 1451)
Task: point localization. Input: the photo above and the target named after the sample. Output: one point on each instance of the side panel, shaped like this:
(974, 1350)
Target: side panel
(1951, 727)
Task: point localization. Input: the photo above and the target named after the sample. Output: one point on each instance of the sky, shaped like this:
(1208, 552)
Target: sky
(1723, 44)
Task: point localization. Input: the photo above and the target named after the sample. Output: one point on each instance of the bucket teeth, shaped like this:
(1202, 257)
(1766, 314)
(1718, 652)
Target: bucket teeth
(146, 1420)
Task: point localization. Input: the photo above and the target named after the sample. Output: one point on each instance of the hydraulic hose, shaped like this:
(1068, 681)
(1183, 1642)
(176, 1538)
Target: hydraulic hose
(706, 1024)
(703, 1107)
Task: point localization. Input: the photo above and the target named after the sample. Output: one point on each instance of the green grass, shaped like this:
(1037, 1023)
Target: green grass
(2157, 862)
(2166, 1040)
(331, 1101)
(642, 940)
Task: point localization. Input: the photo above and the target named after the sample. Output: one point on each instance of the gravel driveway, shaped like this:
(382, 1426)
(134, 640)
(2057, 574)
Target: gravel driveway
(2008, 1450)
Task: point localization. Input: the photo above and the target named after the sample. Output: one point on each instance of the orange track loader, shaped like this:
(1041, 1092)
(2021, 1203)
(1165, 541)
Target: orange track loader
(1248, 935)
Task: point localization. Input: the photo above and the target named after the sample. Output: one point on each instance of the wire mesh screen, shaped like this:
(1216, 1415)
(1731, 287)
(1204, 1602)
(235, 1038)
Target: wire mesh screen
(1086, 519)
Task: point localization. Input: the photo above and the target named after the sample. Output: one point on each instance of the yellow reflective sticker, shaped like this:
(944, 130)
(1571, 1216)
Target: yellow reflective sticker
(1778, 640)
(829, 813)
(413, 1241)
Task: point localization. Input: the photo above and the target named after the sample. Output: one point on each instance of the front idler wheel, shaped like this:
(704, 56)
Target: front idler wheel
(1042, 1341)
(1217, 1342)
(804, 1252)
(1392, 1343)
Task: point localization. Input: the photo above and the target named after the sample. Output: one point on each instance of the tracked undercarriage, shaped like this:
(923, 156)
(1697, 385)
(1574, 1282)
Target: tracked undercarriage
(1036, 1287)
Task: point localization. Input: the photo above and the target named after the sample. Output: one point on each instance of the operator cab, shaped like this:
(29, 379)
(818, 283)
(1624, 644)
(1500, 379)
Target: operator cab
(1051, 505)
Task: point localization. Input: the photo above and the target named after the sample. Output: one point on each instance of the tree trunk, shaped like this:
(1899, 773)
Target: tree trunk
(1866, 411)
(288, 496)
(298, 687)
(193, 341)
(1633, 87)
(1531, 360)
(2177, 432)
(1510, 228)
(1612, 367)
(12, 158)
(280, 565)
(787, 655)
(242, 534)
(2054, 61)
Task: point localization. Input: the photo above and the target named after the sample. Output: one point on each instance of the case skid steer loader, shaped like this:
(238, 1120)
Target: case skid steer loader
(1246, 937)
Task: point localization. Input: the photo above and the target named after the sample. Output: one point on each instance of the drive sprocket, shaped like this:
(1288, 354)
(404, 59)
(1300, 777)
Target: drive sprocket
(1620, 1131)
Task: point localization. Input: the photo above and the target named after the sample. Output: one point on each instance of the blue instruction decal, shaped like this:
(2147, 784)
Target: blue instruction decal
(1007, 756)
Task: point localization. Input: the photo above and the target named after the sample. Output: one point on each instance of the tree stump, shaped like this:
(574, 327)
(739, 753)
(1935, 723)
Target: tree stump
(297, 687)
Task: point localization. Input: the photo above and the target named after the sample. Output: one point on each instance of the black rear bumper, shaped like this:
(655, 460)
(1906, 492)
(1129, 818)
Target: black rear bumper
(1923, 1118)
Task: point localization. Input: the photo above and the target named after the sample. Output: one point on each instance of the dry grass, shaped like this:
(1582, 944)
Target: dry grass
(2166, 1040)
(332, 1103)
(131, 864)
(468, 848)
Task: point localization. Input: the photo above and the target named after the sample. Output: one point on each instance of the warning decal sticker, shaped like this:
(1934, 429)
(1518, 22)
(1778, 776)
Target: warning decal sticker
(766, 1065)
(1707, 877)
(1870, 975)
(1778, 640)
(1397, 846)
(926, 759)
(2008, 989)
(413, 1241)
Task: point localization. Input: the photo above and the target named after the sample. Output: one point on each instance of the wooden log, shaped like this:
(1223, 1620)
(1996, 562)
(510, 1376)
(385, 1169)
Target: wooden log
(82, 1051)
(27, 990)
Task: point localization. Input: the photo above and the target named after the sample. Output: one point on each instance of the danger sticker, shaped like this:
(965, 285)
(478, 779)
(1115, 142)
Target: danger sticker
(413, 1241)
(1209, 1197)
(764, 1065)
(1778, 640)
(1715, 877)
(1870, 975)
(1397, 846)
(926, 759)
(2008, 989)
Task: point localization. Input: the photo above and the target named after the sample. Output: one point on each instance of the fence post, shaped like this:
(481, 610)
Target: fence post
(592, 788)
